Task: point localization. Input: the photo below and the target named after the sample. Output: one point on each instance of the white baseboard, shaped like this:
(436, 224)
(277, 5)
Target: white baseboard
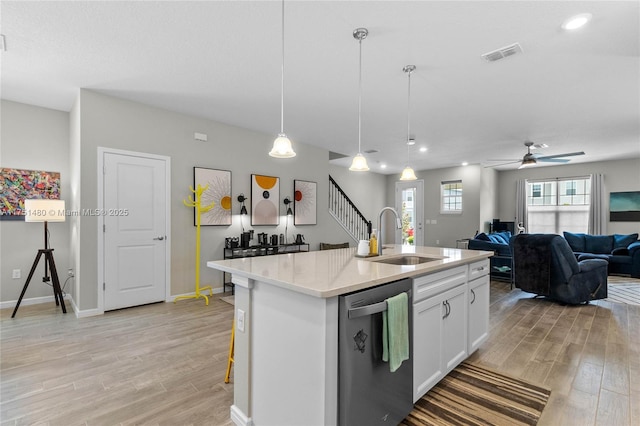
(239, 418)
(31, 301)
(216, 290)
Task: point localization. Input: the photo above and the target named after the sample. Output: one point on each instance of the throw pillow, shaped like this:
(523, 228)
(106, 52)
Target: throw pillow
(504, 235)
(620, 251)
(623, 241)
(598, 244)
(482, 237)
(495, 239)
(576, 241)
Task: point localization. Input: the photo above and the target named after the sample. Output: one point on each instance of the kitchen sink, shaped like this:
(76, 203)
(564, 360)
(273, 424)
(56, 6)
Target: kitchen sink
(407, 260)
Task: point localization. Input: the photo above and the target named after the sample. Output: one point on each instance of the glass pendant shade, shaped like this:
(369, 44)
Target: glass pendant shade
(282, 147)
(359, 164)
(408, 174)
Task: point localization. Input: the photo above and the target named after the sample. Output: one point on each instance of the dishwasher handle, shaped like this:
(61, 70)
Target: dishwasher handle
(374, 308)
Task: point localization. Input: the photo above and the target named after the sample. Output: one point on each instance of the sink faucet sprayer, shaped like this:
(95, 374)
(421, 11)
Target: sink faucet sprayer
(381, 231)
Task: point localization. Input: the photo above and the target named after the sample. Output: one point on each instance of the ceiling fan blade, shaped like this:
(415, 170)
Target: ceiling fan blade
(506, 159)
(503, 164)
(569, 154)
(552, 160)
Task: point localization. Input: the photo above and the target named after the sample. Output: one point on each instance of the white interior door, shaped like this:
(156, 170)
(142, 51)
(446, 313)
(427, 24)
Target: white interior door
(410, 206)
(135, 230)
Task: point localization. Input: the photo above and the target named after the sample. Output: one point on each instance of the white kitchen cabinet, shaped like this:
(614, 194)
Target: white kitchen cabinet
(439, 337)
(478, 300)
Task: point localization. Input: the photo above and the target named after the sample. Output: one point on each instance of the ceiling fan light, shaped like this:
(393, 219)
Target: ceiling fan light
(527, 162)
(282, 147)
(359, 164)
(408, 174)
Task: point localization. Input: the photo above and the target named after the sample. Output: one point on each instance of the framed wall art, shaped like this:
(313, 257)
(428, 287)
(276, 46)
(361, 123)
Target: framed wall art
(624, 206)
(218, 192)
(305, 202)
(265, 200)
(17, 185)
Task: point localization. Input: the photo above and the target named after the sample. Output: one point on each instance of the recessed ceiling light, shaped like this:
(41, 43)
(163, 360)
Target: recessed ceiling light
(383, 166)
(411, 141)
(464, 163)
(423, 149)
(576, 22)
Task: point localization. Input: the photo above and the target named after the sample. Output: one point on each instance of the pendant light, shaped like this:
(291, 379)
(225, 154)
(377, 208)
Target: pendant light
(359, 163)
(408, 173)
(282, 145)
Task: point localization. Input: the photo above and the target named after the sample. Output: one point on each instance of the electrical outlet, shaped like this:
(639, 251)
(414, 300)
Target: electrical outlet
(16, 274)
(438, 242)
(70, 272)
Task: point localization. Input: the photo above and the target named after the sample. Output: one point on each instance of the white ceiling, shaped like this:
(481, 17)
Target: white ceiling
(575, 91)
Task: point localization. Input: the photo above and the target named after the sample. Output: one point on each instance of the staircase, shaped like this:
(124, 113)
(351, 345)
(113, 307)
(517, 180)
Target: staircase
(347, 214)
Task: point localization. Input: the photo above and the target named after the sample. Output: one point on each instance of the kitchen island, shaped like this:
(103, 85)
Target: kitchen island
(286, 324)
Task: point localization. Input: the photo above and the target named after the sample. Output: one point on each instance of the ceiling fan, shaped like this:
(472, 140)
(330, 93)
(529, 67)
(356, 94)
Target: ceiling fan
(530, 159)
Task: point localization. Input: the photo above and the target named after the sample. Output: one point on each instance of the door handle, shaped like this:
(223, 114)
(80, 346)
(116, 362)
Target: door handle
(473, 293)
(160, 238)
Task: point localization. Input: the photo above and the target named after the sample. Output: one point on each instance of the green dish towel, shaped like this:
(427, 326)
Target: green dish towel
(395, 331)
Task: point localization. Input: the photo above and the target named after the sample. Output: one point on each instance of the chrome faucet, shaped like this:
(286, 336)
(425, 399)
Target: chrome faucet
(380, 230)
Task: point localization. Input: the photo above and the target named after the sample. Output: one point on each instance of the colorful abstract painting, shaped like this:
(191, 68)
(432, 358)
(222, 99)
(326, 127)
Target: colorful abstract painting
(218, 193)
(265, 196)
(304, 205)
(17, 185)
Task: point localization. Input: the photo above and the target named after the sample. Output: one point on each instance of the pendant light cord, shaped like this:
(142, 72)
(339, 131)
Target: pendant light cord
(282, 83)
(408, 116)
(360, 98)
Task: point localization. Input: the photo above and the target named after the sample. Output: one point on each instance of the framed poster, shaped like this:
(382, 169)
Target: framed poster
(624, 206)
(218, 192)
(305, 202)
(17, 185)
(265, 200)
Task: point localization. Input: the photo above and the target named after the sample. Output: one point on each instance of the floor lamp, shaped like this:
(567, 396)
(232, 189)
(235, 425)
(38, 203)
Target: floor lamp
(44, 211)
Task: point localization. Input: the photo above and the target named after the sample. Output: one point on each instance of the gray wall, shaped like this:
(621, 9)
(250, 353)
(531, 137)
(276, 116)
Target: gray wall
(33, 138)
(448, 228)
(622, 175)
(115, 123)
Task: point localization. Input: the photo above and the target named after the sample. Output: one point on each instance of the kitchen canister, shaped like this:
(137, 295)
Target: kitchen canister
(363, 248)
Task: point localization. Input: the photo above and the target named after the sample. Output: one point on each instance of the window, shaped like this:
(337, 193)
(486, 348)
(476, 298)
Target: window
(451, 197)
(558, 205)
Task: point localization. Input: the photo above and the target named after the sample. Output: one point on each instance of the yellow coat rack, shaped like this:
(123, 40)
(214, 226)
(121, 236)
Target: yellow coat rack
(199, 210)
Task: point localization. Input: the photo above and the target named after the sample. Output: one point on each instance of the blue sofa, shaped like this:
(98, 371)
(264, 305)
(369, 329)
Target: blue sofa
(497, 242)
(622, 252)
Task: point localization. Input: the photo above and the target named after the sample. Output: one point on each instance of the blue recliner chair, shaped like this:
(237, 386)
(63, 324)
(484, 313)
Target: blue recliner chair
(545, 265)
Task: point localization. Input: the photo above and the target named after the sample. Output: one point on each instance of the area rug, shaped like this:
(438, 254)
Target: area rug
(473, 395)
(623, 289)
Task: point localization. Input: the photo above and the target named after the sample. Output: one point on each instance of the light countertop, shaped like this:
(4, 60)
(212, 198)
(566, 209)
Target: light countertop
(331, 273)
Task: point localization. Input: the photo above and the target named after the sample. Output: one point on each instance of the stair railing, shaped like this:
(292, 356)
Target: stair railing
(347, 214)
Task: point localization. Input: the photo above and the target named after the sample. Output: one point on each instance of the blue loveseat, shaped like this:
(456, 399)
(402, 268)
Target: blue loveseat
(621, 251)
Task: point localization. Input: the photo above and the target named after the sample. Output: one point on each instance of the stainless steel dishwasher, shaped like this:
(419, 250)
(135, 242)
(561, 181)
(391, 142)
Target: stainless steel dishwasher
(368, 393)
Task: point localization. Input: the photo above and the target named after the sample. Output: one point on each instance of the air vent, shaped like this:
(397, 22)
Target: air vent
(503, 52)
(371, 151)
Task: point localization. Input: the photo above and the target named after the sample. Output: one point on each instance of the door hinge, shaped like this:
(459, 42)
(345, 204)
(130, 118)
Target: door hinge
(104, 228)
(104, 286)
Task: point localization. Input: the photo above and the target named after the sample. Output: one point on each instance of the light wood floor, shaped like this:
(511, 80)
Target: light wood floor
(164, 364)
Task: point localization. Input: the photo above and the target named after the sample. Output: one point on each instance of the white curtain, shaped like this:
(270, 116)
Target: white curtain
(521, 203)
(597, 213)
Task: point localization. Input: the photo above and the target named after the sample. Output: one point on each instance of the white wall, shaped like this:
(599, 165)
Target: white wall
(621, 175)
(33, 138)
